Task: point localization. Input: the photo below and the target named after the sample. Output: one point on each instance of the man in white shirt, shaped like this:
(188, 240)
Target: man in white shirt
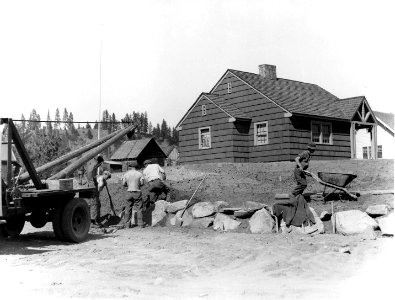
(133, 179)
(154, 176)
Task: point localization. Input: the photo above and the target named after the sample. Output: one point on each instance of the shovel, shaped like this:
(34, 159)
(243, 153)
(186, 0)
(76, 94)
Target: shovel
(179, 220)
(114, 219)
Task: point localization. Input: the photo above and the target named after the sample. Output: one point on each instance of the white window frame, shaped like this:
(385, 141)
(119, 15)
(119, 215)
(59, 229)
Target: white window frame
(379, 150)
(321, 136)
(204, 110)
(256, 142)
(200, 137)
(229, 87)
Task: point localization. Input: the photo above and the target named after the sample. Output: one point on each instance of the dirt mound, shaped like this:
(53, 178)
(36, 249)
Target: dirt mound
(236, 183)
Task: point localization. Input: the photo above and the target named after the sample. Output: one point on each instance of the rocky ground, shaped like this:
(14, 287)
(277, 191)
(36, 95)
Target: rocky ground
(196, 263)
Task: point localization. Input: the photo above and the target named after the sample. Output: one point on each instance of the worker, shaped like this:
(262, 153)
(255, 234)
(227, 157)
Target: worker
(133, 180)
(96, 171)
(81, 172)
(154, 176)
(302, 163)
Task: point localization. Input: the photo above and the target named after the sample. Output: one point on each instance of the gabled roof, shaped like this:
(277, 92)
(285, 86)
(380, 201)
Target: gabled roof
(294, 96)
(167, 149)
(229, 109)
(130, 150)
(386, 118)
(350, 105)
(226, 107)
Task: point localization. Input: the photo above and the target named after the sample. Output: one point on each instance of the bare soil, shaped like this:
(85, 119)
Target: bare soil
(193, 263)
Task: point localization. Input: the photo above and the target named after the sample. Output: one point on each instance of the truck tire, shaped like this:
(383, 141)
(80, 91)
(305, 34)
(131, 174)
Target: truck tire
(57, 223)
(13, 227)
(38, 218)
(76, 220)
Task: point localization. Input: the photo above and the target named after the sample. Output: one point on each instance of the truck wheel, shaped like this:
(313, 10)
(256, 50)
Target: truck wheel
(57, 223)
(76, 220)
(13, 227)
(38, 218)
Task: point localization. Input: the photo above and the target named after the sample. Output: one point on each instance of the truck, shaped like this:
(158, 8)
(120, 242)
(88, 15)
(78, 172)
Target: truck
(27, 198)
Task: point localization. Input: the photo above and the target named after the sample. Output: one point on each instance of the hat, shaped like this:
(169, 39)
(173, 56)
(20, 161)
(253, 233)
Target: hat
(133, 164)
(311, 146)
(147, 162)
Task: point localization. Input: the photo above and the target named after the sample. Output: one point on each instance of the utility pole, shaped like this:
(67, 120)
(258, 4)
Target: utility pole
(101, 46)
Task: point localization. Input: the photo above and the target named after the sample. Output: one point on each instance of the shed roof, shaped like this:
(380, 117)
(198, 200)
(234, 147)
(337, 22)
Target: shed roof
(132, 149)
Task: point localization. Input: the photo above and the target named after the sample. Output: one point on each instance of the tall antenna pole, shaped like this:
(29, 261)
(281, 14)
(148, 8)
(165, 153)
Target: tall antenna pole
(101, 46)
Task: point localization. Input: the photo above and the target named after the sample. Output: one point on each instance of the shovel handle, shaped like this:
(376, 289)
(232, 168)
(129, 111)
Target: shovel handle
(186, 205)
(111, 204)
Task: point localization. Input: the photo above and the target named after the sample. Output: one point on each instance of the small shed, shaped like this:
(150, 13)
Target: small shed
(139, 150)
(113, 166)
(171, 152)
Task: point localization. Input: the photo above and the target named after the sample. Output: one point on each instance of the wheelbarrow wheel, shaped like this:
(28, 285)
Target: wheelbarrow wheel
(76, 220)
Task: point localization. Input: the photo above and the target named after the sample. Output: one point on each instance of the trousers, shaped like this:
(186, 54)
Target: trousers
(301, 182)
(155, 188)
(134, 208)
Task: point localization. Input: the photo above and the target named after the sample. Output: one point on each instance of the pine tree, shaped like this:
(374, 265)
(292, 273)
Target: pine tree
(57, 119)
(87, 126)
(49, 124)
(65, 118)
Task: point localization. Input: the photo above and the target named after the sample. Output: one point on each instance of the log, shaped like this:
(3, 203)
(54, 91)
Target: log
(88, 156)
(25, 176)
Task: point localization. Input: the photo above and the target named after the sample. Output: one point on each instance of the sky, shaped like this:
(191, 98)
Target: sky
(158, 56)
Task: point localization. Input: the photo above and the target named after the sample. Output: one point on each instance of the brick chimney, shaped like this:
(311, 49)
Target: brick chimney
(268, 71)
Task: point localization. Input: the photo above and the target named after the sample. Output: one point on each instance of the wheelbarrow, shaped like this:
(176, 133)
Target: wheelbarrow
(336, 181)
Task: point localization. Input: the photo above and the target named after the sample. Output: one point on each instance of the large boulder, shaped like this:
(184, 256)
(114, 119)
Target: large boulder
(318, 223)
(253, 206)
(387, 224)
(352, 222)
(261, 222)
(156, 213)
(223, 222)
(184, 221)
(202, 222)
(218, 205)
(377, 210)
(203, 209)
(176, 206)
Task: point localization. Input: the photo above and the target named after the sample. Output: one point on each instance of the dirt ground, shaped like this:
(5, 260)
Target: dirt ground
(194, 263)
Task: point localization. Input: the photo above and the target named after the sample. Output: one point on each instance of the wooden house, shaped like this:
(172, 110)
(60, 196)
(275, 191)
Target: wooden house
(171, 152)
(385, 138)
(249, 117)
(139, 150)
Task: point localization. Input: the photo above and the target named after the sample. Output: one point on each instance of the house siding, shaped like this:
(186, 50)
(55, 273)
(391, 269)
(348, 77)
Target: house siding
(234, 142)
(221, 135)
(300, 136)
(259, 109)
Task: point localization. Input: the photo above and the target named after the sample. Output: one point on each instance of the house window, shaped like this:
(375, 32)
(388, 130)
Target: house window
(204, 112)
(321, 133)
(379, 151)
(229, 87)
(261, 136)
(365, 152)
(204, 138)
